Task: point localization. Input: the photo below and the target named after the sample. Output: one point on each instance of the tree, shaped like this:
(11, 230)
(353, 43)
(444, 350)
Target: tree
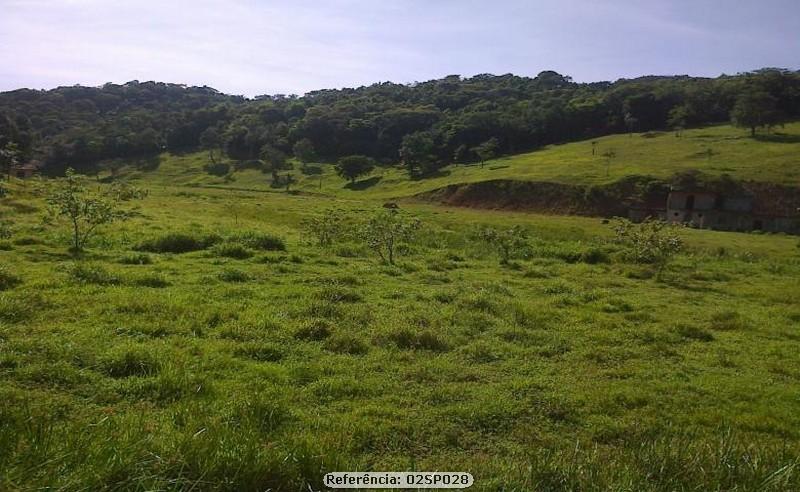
(487, 150)
(386, 230)
(211, 140)
(507, 242)
(326, 227)
(755, 109)
(304, 151)
(610, 155)
(288, 181)
(678, 118)
(9, 157)
(417, 153)
(652, 241)
(353, 166)
(630, 123)
(274, 161)
(86, 209)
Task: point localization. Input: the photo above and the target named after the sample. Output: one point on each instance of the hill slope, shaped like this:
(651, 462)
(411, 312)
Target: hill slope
(713, 150)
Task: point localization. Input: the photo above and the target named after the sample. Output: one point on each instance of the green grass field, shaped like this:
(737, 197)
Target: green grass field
(247, 369)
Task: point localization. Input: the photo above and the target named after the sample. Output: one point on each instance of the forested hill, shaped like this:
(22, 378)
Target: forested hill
(428, 124)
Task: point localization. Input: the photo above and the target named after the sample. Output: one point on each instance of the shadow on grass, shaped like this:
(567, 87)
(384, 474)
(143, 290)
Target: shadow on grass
(311, 170)
(364, 183)
(778, 138)
(436, 174)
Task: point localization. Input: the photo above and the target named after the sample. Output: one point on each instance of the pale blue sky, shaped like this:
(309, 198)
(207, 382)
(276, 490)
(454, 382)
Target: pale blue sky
(265, 47)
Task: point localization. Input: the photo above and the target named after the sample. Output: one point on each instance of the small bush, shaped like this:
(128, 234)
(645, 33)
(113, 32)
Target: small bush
(412, 340)
(262, 352)
(594, 256)
(6, 246)
(231, 250)
(233, 275)
(155, 281)
(8, 280)
(694, 333)
(26, 241)
(339, 295)
(177, 242)
(92, 274)
(217, 168)
(126, 361)
(259, 240)
(346, 344)
(136, 259)
(315, 330)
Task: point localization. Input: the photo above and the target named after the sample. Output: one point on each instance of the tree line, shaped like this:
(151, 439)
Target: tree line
(424, 125)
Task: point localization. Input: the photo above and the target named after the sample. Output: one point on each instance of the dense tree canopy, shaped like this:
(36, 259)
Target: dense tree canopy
(447, 119)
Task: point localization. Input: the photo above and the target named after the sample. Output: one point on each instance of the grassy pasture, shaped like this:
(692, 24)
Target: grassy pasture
(238, 368)
(210, 344)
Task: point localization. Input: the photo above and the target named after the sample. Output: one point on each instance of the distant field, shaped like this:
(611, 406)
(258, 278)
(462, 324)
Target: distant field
(774, 158)
(570, 369)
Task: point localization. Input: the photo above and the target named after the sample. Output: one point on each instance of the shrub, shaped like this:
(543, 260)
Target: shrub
(413, 340)
(7, 279)
(152, 280)
(259, 240)
(339, 294)
(136, 259)
(129, 360)
(387, 230)
(217, 168)
(651, 241)
(314, 330)
(233, 275)
(327, 227)
(262, 352)
(178, 242)
(508, 242)
(346, 344)
(85, 273)
(231, 250)
(5, 230)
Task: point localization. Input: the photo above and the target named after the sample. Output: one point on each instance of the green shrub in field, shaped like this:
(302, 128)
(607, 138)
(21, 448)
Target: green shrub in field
(262, 352)
(653, 242)
(178, 242)
(129, 360)
(5, 230)
(387, 231)
(153, 280)
(136, 259)
(233, 275)
(313, 330)
(507, 242)
(346, 344)
(86, 273)
(7, 279)
(418, 340)
(258, 240)
(231, 250)
(327, 227)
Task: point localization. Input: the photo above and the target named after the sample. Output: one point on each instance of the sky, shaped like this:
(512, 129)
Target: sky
(251, 47)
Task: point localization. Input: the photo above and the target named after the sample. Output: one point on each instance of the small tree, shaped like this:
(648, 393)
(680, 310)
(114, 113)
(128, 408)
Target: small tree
(652, 241)
(326, 227)
(678, 118)
(508, 242)
(288, 181)
(9, 157)
(353, 166)
(303, 150)
(211, 140)
(487, 150)
(630, 123)
(610, 155)
(86, 209)
(418, 152)
(386, 230)
(755, 109)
